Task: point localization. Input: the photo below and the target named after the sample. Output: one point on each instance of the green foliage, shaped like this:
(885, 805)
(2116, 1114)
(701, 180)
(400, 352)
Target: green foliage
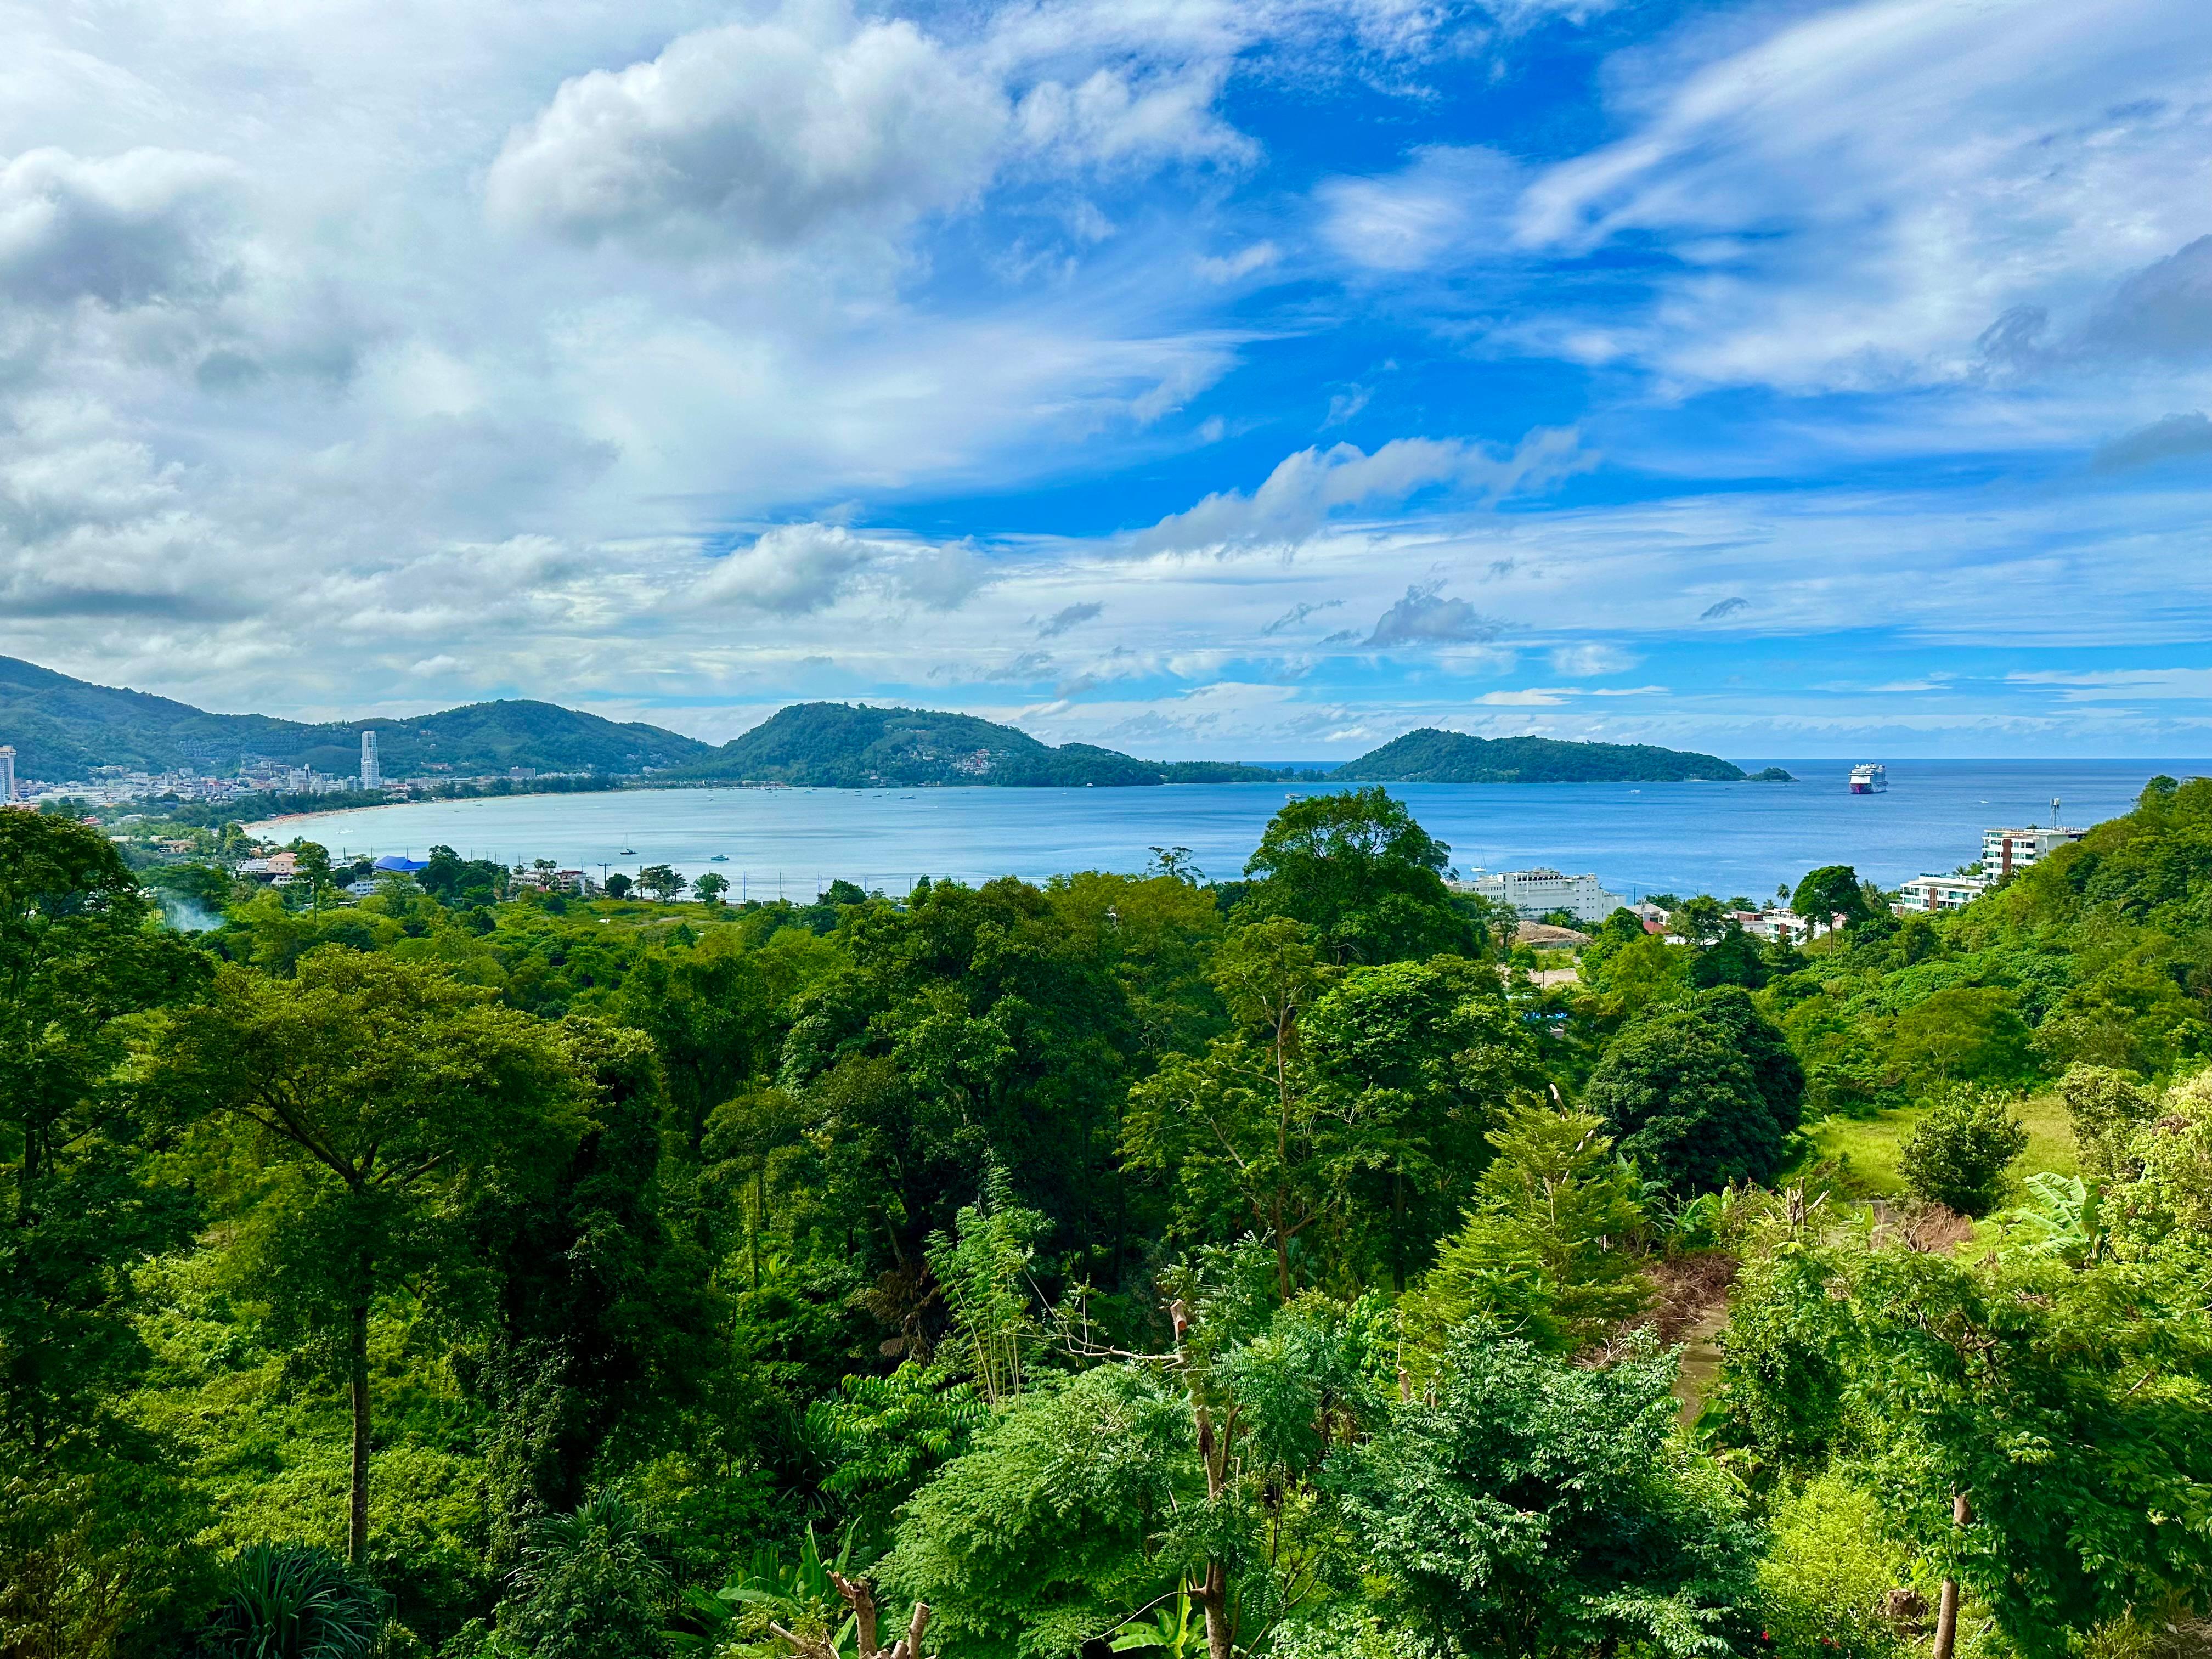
(1833, 889)
(1056, 1521)
(1959, 1155)
(589, 1587)
(1429, 756)
(1701, 1096)
(296, 1601)
(1827, 1572)
(1546, 1252)
(886, 1435)
(1536, 1508)
(841, 745)
(983, 1268)
(1353, 866)
(2106, 1108)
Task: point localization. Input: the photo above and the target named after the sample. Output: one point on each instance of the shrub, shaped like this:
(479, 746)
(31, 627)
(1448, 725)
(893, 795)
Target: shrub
(296, 1601)
(1827, 1573)
(1959, 1155)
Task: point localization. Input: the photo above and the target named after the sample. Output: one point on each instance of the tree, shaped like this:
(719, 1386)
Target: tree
(1958, 1154)
(1241, 1132)
(2029, 1428)
(94, 1528)
(1686, 1093)
(619, 886)
(1832, 890)
(1533, 1507)
(380, 1093)
(1965, 1033)
(711, 886)
(661, 881)
(1419, 1059)
(1355, 866)
(1546, 1254)
(2106, 1108)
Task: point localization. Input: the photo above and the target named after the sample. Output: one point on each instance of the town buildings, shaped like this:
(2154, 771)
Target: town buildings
(1938, 893)
(1538, 892)
(2005, 852)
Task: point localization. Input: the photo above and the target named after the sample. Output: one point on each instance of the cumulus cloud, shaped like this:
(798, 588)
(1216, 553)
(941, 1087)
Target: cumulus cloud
(790, 570)
(2176, 437)
(759, 136)
(1300, 494)
(145, 225)
(1425, 617)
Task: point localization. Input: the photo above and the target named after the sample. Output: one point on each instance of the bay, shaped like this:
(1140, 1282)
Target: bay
(1723, 838)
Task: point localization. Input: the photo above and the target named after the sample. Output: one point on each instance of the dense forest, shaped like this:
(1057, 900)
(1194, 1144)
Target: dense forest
(1132, 1264)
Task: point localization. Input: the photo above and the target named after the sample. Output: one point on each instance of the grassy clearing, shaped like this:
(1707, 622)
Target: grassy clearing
(1872, 1144)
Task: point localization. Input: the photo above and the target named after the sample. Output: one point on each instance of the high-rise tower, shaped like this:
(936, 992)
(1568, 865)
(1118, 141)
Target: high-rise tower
(372, 774)
(7, 774)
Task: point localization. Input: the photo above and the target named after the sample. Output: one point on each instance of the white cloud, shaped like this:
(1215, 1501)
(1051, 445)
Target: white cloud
(1425, 617)
(1229, 268)
(1446, 204)
(129, 229)
(1304, 489)
(1588, 659)
(759, 136)
(790, 570)
(1860, 193)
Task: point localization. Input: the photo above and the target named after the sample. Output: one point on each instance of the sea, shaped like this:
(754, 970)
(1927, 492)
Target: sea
(1728, 839)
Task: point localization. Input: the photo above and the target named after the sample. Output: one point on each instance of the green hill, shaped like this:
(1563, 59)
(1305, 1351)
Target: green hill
(836, 745)
(62, 728)
(1428, 755)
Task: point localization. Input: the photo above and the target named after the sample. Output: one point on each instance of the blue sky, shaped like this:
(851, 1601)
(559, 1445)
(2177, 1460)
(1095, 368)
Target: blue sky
(1198, 378)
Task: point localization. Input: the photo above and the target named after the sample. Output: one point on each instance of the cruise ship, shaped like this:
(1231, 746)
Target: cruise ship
(1872, 779)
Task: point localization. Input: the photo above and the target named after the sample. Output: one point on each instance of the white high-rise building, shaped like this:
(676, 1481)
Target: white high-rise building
(372, 774)
(7, 774)
(1538, 892)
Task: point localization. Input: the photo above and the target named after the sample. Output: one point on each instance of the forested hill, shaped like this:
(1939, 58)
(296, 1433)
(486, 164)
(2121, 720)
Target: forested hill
(62, 727)
(1429, 756)
(838, 745)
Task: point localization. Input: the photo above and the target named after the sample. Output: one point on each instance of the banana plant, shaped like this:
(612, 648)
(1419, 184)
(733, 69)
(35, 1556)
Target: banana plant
(1172, 1631)
(801, 1594)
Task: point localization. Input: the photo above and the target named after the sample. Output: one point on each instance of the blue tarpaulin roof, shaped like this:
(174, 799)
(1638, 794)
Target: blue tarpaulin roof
(398, 865)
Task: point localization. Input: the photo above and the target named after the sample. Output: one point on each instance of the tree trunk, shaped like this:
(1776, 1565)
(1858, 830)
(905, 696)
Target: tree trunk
(1215, 1599)
(358, 1374)
(1947, 1608)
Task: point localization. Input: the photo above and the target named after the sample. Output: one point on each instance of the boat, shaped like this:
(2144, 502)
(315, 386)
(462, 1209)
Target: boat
(629, 852)
(719, 858)
(1870, 779)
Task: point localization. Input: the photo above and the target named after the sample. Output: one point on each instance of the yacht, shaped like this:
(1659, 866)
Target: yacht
(1871, 778)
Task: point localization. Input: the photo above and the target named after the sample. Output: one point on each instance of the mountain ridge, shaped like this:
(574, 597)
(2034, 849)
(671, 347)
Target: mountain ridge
(62, 728)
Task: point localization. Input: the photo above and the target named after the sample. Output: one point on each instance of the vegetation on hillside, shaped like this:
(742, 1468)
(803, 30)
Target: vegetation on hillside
(1429, 756)
(1121, 1265)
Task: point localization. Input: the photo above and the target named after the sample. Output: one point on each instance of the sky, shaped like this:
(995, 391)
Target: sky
(1240, 379)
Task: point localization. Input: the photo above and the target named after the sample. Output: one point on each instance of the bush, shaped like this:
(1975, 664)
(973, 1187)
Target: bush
(1826, 1573)
(296, 1601)
(1701, 1097)
(589, 1587)
(1959, 1155)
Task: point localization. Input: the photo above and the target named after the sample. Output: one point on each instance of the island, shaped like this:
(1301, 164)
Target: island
(1429, 756)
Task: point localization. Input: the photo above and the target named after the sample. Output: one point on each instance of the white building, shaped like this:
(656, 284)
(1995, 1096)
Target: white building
(7, 775)
(1937, 893)
(1787, 926)
(372, 774)
(1538, 892)
(2005, 851)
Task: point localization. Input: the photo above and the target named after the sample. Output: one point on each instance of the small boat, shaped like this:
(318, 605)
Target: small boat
(719, 858)
(629, 852)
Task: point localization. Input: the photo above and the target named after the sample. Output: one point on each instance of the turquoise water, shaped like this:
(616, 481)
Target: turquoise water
(1723, 838)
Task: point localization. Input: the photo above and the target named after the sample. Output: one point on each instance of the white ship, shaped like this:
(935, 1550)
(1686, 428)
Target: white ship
(1872, 779)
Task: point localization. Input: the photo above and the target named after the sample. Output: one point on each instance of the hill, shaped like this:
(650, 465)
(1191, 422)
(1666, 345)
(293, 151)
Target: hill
(836, 745)
(62, 728)
(1428, 755)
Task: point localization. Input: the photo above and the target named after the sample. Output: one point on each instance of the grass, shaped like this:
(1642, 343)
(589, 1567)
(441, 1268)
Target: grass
(1872, 1144)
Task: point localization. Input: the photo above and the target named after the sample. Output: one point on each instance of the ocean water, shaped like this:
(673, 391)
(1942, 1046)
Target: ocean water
(1723, 838)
